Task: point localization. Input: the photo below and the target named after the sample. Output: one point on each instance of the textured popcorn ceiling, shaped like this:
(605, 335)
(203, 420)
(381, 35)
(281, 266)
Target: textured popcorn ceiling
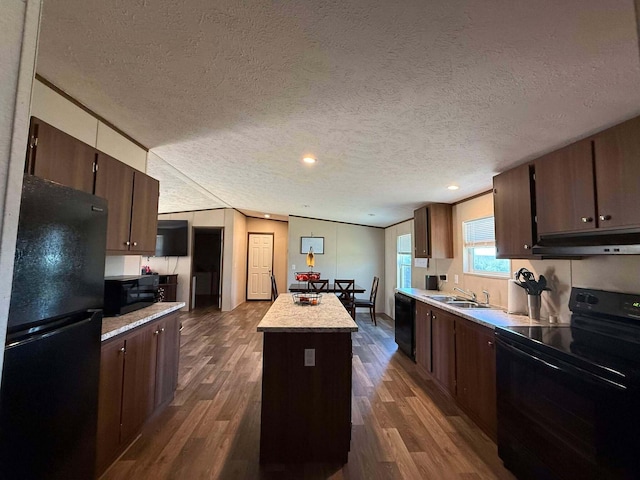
(396, 99)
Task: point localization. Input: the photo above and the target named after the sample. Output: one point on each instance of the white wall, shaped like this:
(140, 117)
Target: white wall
(19, 38)
(615, 273)
(350, 251)
(234, 256)
(53, 108)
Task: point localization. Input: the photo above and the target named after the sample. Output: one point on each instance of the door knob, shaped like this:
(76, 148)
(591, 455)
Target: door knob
(587, 219)
(527, 247)
(605, 217)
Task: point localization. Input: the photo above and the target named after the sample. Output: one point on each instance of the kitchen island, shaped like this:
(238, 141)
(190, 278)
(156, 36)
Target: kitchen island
(306, 382)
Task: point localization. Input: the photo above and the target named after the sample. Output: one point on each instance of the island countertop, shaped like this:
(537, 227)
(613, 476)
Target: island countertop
(328, 317)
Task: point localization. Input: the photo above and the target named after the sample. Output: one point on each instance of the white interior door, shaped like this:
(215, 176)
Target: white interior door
(260, 265)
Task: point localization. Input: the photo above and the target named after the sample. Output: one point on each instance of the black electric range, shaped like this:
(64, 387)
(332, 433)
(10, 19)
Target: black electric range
(568, 394)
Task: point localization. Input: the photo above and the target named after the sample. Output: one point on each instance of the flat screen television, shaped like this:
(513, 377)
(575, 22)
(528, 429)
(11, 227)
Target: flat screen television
(172, 238)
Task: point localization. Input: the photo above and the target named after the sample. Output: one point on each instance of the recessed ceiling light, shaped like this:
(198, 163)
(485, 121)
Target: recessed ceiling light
(372, 214)
(266, 215)
(309, 160)
(306, 206)
(453, 187)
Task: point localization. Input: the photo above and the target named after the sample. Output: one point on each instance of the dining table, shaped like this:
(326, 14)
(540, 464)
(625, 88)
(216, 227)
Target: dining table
(303, 287)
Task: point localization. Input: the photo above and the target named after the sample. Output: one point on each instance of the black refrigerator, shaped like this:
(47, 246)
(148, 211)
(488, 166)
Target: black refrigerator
(49, 386)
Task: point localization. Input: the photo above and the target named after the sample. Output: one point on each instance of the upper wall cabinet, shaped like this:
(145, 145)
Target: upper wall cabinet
(565, 198)
(513, 212)
(133, 206)
(433, 231)
(617, 161)
(54, 155)
(591, 185)
(132, 196)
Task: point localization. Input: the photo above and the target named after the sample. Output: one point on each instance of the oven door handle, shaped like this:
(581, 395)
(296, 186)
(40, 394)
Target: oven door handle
(561, 366)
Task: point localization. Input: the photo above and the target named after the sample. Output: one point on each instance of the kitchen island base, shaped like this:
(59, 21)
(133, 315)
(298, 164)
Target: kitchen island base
(306, 410)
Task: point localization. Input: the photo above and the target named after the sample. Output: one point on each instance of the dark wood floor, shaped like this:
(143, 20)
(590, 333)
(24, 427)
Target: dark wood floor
(403, 427)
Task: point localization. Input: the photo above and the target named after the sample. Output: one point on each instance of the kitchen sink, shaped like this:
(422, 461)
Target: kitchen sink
(459, 302)
(466, 304)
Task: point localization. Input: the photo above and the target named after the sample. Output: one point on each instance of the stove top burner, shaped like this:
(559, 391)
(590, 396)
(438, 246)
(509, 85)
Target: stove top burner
(603, 336)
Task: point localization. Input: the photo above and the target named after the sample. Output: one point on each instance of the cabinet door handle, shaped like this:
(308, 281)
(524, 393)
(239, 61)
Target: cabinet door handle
(122, 350)
(135, 244)
(127, 243)
(156, 332)
(162, 330)
(604, 218)
(527, 247)
(181, 326)
(490, 344)
(586, 219)
(433, 316)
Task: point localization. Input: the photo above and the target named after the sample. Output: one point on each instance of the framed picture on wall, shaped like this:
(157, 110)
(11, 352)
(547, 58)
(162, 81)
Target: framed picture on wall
(317, 243)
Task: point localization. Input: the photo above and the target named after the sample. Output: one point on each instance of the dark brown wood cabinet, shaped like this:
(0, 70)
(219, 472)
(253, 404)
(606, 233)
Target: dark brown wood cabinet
(167, 346)
(513, 205)
(565, 198)
(57, 156)
(433, 231)
(591, 185)
(460, 356)
(114, 181)
(125, 395)
(132, 196)
(306, 411)
(110, 403)
(133, 206)
(138, 376)
(144, 214)
(423, 336)
(617, 167)
(443, 349)
(476, 374)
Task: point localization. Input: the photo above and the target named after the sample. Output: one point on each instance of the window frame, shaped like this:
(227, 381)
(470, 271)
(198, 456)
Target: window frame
(467, 257)
(398, 259)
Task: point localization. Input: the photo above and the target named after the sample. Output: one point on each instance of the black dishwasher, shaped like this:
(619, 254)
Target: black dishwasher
(405, 324)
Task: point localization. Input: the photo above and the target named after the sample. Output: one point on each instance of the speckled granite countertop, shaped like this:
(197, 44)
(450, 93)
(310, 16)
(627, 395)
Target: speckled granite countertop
(489, 317)
(112, 326)
(328, 317)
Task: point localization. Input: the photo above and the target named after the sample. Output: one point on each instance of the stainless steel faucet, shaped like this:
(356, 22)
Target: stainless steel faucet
(470, 294)
(486, 297)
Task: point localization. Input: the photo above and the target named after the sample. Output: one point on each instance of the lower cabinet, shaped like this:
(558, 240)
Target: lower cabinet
(476, 374)
(138, 374)
(460, 356)
(423, 336)
(443, 348)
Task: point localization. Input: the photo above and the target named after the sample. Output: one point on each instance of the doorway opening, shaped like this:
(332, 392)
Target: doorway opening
(206, 288)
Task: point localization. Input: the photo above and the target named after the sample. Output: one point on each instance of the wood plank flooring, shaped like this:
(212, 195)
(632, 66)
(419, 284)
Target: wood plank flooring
(403, 427)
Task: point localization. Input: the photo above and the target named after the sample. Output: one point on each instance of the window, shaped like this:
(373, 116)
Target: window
(479, 249)
(404, 261)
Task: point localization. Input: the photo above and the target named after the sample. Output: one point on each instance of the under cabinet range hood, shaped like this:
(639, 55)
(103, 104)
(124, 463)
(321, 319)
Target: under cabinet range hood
(623, 242)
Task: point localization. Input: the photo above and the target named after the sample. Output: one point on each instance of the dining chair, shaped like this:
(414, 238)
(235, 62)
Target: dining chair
(345, 291)
(274, 288)
(319, 286)
(371, 303)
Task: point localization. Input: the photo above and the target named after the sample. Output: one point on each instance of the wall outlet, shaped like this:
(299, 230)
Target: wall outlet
(444, 278)
(293, 267)
(309, 357)
(455, 279)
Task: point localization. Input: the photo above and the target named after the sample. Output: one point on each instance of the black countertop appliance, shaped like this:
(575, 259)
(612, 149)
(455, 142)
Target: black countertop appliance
(49, 391)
